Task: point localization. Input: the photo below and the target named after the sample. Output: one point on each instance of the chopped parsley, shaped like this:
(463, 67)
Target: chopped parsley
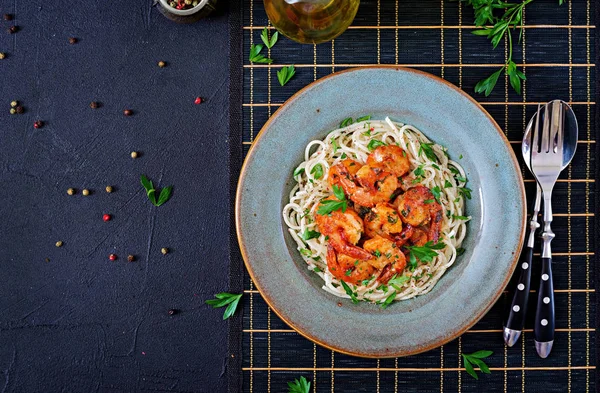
(343, 156)
(454, 170)
(460, 251)
(348, 272)
(298, 171)
(435, 166)
(447, 184)
(377, 253)
(426, 149)
(460, 157)
(346, 122)
(349, 292)
(317, 270)
(424, 253)
(419, 171)
(460, 217)
(306, 252)
(466, 192)
(397, 281)
(335, 145)
(428, 201)
(461, 178)
(317, 171)
(308, 234)
(388, 301)
(374, 144)
(392, 220)
(363, 118)
(437, 192)
(328, 205)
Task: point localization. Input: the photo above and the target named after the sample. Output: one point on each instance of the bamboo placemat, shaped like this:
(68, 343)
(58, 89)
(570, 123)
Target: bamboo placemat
(557, 54)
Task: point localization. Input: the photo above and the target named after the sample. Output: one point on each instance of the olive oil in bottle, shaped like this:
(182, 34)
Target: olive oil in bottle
(311, 21)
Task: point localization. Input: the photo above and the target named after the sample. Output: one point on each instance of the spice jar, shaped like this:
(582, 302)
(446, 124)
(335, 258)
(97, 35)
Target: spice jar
(186, 11)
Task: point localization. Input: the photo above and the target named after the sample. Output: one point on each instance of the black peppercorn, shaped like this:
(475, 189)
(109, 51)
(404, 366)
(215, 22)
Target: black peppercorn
(8, 17)
(94, 105)
(19, 109)
(72, 40)
(13, 29)
(128, 112)
(131, 258)
(173, 311)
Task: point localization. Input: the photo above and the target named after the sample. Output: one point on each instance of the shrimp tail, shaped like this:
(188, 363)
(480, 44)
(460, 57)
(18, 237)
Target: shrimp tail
(403, 237)
(345, 247)
(332, 262)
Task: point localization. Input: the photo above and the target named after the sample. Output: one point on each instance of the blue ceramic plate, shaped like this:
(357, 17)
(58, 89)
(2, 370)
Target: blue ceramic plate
(466, 291)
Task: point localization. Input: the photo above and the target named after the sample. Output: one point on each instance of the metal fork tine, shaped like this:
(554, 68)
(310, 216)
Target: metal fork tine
(555, 124)
(534, 141)
(545, 139)
(561, 131)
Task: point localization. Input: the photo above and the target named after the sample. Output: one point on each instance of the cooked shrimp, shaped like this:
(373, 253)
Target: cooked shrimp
(344, 230)
(347, 268)
(418, 206)
(369, 186)
(383, 220)
(345, 169)
(419, 237)
(389, 158)
(390, 259)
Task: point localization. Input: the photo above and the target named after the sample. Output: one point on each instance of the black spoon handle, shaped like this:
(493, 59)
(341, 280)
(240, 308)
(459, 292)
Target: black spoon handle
(543, 330)
(520, 294)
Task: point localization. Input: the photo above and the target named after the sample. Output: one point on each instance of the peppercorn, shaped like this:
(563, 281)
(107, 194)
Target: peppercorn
(38, 124)
(70, 191)
(130, 258)
(161, 64)
(106, 217)
(59, 243)
(14, 103)
(2, 55)
(128, 112)
(164, 250)
(198, 100)
(8, 17)
(134, 154)
(72, 40)
(47, 259)
(13, 111)
(109, 189)
(112, 257)
(13, 29)
(94, 105)
(173, 311)
(85, 192)
(19, 109)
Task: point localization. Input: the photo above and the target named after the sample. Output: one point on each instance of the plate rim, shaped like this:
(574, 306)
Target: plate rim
(417, 350)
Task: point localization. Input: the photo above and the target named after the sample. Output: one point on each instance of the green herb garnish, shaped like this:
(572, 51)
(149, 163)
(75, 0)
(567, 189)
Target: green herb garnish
(461, 179)
(460, 251)
(424, 253)
(419, 171)
(428, 201)
(317, 270)
(265, 38)
(255, 55)
(308, 234)
(317, 171)
(285, 74)
(466, 192)
(428, 151)
(363, 118)
(447, 184)
(343, 156)
(437, 193)
(306, 252)
(346, 122)
(231, 300)
(349, 292)
(398, 281)
(298, 171)
(299, 386)
(388, 300)
(374, 144)
(460, 217)
(329, 205)
(348, 272)
(163, 196)
(377, 253)
(335, 145)
(475, 358)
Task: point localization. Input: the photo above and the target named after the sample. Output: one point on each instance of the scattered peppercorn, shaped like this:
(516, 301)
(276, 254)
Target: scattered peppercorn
(85, 192)
(38, 124)
(198, 100)
(112, 257)
(47, 259)
(14, 103)
(71, 191)
(8, 17)
(106, 217)
(72, 40)
(128, 112)
(94, 105)
(19, 109)
(164, 250)
(173, 311)
(13, 29)
(109, 189)
(2, 55)
(130, 258)
(161, 64)
(59, 243)
(134, 154)
(13, 111)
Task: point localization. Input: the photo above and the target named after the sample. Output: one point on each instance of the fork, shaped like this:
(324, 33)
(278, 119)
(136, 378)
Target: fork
(546, 164)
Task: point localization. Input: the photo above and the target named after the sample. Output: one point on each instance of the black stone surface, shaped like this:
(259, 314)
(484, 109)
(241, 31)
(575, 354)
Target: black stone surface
(70, 319)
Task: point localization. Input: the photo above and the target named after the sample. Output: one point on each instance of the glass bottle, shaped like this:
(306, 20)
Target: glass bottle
(311, 21)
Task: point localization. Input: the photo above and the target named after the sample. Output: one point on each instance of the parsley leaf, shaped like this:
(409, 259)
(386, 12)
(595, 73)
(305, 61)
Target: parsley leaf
(346, 122)
(363, 118)
(299, 386)
(398, 281)
(428, 151)
(460, 251)
(460, 217)
(339, 193)
(308, 234)
(424, 253)
(466, 192)
(285, 74)
(419, 171)
(388, 300)
(164, 195)
(475, 358)
(349, 292)
(298, 171)
(231, 300)
(335, 145)
(447, 184)
(255, 55)
(437, 193)
(317, 171)
(265, 38)
(328, 205)
(374, 144)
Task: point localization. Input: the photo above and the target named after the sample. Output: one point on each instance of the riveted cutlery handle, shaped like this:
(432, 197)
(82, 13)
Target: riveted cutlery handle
(543, 330)
(520, 294)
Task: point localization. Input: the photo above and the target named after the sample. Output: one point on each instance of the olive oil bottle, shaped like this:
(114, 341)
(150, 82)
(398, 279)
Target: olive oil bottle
(311, 21)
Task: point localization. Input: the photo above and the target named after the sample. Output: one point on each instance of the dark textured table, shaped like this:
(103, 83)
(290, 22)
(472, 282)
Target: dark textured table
(71, 320)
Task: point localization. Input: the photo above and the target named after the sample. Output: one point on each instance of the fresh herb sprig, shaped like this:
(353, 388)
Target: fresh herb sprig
(256, 57)
(350, 292)
(476, 359)
(299, 386)
(163, 196)
(269, 42)
(330, 205)
(424, 253)
(231, 300)
(486, 12)
(285, 74)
